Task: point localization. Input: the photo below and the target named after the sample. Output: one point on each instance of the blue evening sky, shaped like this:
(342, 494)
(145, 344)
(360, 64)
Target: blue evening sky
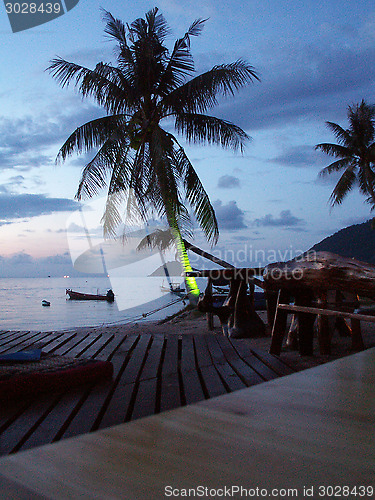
(314, 58)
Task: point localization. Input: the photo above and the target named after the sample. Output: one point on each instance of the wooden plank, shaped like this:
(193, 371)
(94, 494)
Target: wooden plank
(10, 411)
(138, 356)
(151, 367)
(65, 347)
(242, 346)
(192, 390)
(273, 362)
(145, 399)
(170, 393)
(243, 370)
(100, 346)
(121, 400)
(58, 342)
(26, 422)
(187, 353)
(48, 339)
(89, 412)
(79, 348)
(25, 342)
(191, 384)
(202, 353)
(6, 334)
(170, 359)
(13, 340)
(211, 381)
(52, 422)
(226, 372)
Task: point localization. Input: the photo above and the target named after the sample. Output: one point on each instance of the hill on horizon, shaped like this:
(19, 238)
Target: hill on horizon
(356, 241)
(174, 269)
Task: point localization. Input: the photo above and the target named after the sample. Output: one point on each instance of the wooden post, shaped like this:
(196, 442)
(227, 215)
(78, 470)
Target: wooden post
(292, 337)
(279, 324)
(271, 301)
(324, 334)
(306, 323)
(210, 320)
(245, 322)
(357, 340)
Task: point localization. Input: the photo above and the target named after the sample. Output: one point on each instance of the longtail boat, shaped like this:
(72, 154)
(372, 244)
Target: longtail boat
(109, 296)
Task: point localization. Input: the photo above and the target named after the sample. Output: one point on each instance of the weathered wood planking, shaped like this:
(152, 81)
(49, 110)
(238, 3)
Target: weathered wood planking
(151, 374)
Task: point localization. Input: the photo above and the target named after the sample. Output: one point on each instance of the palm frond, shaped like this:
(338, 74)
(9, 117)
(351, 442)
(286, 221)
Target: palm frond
(160, 238)
(343, 187)
(181, 62)
(334, 150)
(203, 129)
(115, 28)
(335, 167)
(343, 136)
(112, 217)
(107, 160)
(200, 93)
(157, 25)
(197, 196)
(106, 84)
(92, 134)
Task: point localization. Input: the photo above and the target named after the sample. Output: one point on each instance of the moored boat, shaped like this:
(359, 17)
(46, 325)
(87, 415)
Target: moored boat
(109, 296)
(172, 288)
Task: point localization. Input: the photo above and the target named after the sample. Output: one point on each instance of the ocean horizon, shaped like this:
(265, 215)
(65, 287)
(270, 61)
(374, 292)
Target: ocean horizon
(141, 300)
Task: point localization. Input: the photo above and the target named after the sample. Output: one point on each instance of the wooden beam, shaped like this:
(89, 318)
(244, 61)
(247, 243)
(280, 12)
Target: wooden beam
(207, 255)
(327, 312)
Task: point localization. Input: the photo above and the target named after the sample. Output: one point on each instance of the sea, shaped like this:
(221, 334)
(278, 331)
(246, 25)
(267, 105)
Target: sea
(136, 300)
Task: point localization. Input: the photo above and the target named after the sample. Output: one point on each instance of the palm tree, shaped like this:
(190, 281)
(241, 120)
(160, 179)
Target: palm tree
(355, 153)
(135, 154)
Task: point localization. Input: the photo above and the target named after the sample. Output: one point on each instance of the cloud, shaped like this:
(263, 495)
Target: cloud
(286, 219)
(24, 265)
(26, 142)
(228, 182)
(301, 156)
(31, 205)
(307, 81)
(229, 216)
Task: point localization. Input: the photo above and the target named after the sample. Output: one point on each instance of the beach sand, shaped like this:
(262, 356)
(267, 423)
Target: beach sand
(194, 322)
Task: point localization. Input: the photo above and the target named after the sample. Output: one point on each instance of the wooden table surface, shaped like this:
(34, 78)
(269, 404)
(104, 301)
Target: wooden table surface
(304, 430)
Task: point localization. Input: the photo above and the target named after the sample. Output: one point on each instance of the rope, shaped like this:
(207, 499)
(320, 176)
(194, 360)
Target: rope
(144, 315)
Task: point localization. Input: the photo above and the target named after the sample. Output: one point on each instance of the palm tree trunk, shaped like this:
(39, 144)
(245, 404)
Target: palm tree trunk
(192, 288)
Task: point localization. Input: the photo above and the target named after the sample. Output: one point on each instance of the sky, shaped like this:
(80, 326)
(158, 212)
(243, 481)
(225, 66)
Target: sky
(314, 59)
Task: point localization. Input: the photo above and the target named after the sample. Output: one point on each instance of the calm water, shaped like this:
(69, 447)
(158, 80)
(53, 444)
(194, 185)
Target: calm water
(21, 302)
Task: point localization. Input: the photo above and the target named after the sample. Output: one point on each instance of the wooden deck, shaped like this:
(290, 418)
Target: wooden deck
(151, 374)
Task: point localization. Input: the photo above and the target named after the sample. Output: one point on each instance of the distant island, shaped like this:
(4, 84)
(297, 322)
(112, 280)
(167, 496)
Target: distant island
(356, 241)
(174, 269)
